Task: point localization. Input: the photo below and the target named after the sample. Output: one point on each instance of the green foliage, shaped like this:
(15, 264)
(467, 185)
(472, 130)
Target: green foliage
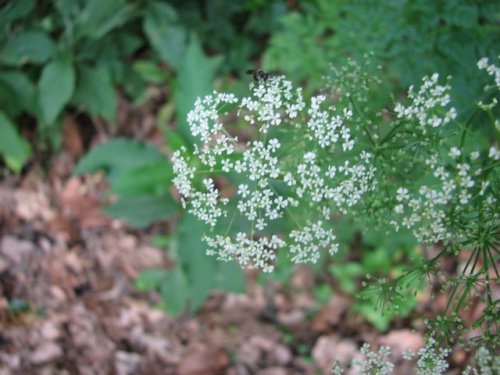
(188, 284)
(75, 53)
(95, 91)
(195, 80)
(117, 157)
(410, 38)
(30, 46)
(139, 175)
(140, 211)
(166, 34)
(55, 87)
(13, 147)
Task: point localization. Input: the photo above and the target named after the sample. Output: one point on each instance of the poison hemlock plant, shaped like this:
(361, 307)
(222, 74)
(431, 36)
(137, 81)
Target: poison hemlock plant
(413, 168)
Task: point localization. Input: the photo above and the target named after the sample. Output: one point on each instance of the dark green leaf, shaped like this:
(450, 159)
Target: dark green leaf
(14, 149)
(165, 33)
(118, 156)
(174, 139)
(55, 88)
(16, 93)
(150, 71)
(195, 80)
(230, 278)
(199, 268)
(15, 10)
(145, 180)
(31, 46)
(175, 292)
(150, 279)
(95, 92)
(100, 17)
(143, 210)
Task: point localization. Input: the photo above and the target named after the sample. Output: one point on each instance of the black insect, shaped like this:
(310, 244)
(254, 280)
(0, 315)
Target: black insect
(259, 76)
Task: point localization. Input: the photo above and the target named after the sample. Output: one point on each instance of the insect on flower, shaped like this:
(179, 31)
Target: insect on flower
(259, 76)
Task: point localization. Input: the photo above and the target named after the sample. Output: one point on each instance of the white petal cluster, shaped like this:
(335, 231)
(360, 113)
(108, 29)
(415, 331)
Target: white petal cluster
(432, 359)
(263, 165)
(425, 211)
(327, 128)
(374, 362)
(183, 173)
(491, 69)
(272, 102)
(307, 241)
(342, 186)
(247, 251)
(428, 105)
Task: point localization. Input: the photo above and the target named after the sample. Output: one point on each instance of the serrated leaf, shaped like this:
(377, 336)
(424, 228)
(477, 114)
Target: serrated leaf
(118, 156)
(55, 88)
(14, 148)
(30, 46)
(167, 36)
(143, 210)
(95, 92)
(175, 292)
(195, 80)
(150, 279)
(145, 180)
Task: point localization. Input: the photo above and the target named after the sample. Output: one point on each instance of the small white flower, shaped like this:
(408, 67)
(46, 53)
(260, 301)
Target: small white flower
(455, 152)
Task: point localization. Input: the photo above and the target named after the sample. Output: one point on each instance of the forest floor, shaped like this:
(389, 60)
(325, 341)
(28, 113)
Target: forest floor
(68, 303)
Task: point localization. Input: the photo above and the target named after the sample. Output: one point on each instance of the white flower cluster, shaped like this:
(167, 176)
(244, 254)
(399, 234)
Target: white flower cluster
(491, 69)
(488, 363)
(272, 102)
(307, 241)
(247, 251)
(425, 211)
(342, 186)
(428, 105)
(431, 360)
(326, 128)
(374, 362)
(270, 178)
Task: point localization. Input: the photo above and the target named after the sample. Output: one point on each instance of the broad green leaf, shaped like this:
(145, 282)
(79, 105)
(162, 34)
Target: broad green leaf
(195, 80)
(30, 46)
(199, 268)
(15, 10)
(118, 156)
(145, 180)
(17, 93)
(14, 149)
(100, 17)
(55, 88)
(143, 210)
(150, 71)
(175, 292)
(165, 33)
(95, 92)
(230, 278)
(150, 279)
(174, 139)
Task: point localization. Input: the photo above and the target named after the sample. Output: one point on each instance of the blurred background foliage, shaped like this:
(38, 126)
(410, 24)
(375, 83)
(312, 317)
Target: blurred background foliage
(81, 56)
